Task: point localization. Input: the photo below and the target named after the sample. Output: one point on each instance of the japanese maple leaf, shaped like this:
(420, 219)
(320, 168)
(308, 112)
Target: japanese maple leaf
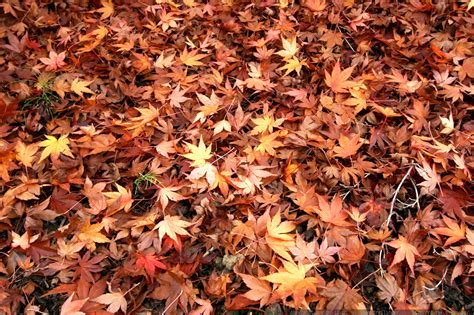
(55, 61)
(149, 262)
(210, 106)
(332, 213)
(54, 147)
(260, 290)
(205, 307)
(265, 123)
(94, 195)
(342, 297)
(26, 153)
(291, 280)
(166, 147)
(172, 226)
(290, 48)
(168, 193)
(199, 154)
(277, 236)
(405, 251)
(293, 64)
(192, 58)
(115, 300)
(325, 252)
(90, 233)
(430, 175)
(23, 241)
(347, 146)
(118, 200)
(303, 250)
(71, 307)
(338, 80)
(455, 231)
(268, 143)
(79, 87)
(107, 11)
(388, 287)
(177, 97)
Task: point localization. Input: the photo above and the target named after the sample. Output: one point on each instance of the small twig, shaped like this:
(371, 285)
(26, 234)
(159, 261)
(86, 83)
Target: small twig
(175, 299)
(365, 278)
(392, 205)
(439, 283)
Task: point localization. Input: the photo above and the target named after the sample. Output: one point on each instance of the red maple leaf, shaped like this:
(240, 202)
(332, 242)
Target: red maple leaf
(149, 262)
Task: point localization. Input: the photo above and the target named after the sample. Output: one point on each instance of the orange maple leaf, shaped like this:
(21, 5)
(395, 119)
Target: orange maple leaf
(405, 251)
(455, 231)
(338, 80)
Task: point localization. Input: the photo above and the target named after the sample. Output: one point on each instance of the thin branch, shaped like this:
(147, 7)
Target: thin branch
(392, 205)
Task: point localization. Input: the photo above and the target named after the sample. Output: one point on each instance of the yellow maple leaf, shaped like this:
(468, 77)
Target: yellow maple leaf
(172, 226)
(266, 123)
(290, 48)
(90, 234)
(199, 154)
(79, 87)
(107, 9)
(54, 147)
(277, 236)
(291, 280)
(191, 58)
(293, 64)
(268, 143)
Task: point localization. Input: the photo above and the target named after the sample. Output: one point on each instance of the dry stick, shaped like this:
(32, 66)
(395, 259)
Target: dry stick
(171, 304)
(439, 283)
(392, 205)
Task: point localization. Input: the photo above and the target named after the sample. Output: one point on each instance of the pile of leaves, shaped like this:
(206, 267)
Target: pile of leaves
(203, 157)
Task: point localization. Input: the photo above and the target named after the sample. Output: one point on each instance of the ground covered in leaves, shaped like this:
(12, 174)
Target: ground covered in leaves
(207, 157)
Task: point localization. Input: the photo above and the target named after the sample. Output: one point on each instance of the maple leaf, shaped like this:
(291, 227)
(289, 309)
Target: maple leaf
(268, 143)
(172, 226)
(149, 262)
(164, 62)
(388, 287)
(107, 10)
(91, 234)
(332, 213)
(23, 241)
(290, 48)
(338, 80)
(405, 251)
(430, 175)
(342, 297)
(71, 307)
(26, 153)
(168, 193)
(455, 231)
(166, 147)
(191, 58)
(79, 87)
(347, 146)
(277, 236)
(303, 250)
(325, 252)
(205, 307)
(177, 97)
(94, 194)
(55, 60)
(54, 147)
(211, 106)
(199, 154)
(115, 300)
(260, 290)
(293, 64)
(315, 5)
(118, 200)
(265, 123)
(292, 281)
